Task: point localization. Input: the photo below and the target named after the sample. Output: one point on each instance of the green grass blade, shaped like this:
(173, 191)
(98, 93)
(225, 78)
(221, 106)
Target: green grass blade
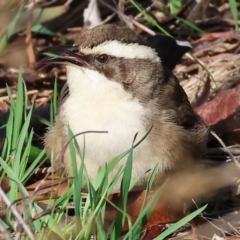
(40, 29)
(55, 98)
(180, 223)
(25, 155)
(18, 158)
(18, 114)
(149, 17)
(191, 25)
(9, 130)
(41, 158)
(175, 6)
(145, 214)
(76, 194)
(34, 153)
(120, 219)
(100, 231)
(234, 11)
(12, 102)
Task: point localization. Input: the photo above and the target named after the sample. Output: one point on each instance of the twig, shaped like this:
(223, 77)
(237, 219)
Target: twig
(78, 134)
(39, 186)
(126, 18)
(43, 185)
(215, 226)
(74, 136)
(108, 18)
(31, 92)
(226, 149)
(67, 4)
(28, 40)
(40, 215)
(221, 151)
(4, 232)
(17, 215)
(148, 9)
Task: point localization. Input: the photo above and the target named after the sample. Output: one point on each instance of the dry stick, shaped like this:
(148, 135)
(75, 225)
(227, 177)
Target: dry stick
(31, 92)
(19, 200)
(221, 151)
(108, 18)
(17, 235)
(215, 226)
(4, 232)
(17, 215)
(226, 149)
(42, 184)
(229, 224)
(39, 186)
(148, 9)
(28, 40)
(39, 215)
(121, 6)
(146, 29)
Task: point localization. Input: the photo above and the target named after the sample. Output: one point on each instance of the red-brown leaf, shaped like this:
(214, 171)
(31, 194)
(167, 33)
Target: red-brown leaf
(221, 112)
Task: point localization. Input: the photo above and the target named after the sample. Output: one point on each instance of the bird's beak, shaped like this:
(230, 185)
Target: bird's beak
(61, 55)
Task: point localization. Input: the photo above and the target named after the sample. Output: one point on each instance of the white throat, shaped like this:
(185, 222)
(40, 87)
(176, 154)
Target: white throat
(96, 103)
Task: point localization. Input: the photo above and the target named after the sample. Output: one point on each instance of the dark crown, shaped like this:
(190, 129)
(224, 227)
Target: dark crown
(109, 32)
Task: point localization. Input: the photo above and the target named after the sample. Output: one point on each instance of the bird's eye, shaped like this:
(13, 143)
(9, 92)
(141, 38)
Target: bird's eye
(103, 58)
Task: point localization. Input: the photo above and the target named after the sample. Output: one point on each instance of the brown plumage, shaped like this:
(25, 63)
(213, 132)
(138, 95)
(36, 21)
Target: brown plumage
(118, 84)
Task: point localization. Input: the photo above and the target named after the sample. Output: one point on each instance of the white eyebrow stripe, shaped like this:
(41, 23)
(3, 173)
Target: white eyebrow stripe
(123, 50)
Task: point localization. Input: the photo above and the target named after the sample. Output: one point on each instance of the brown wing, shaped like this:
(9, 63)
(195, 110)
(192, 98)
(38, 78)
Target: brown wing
(177, 102)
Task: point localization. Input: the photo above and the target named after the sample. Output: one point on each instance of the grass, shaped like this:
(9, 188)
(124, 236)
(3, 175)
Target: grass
(89, 207)
(15, 154)
(175, 6)
(155, 23)
(6, 36)
(234, 11)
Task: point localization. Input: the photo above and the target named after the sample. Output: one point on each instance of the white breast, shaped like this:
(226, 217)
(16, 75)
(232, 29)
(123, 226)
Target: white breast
(96, 103)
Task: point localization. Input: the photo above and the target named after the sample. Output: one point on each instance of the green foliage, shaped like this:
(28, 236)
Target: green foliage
(234, 11)
(16, 151)
(10, 30)
(175, 6)
(155, 23)
(20, 18)
(191, 25)
(180, 223)
(40, 29)
(148, 17)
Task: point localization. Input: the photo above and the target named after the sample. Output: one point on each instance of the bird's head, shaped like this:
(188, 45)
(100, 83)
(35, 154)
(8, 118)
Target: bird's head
(116, 54)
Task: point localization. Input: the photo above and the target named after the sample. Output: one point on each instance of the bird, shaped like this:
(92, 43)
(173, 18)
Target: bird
(117, 82)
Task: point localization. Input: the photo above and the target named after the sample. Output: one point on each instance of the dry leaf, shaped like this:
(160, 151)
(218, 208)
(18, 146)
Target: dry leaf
(222, 113)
